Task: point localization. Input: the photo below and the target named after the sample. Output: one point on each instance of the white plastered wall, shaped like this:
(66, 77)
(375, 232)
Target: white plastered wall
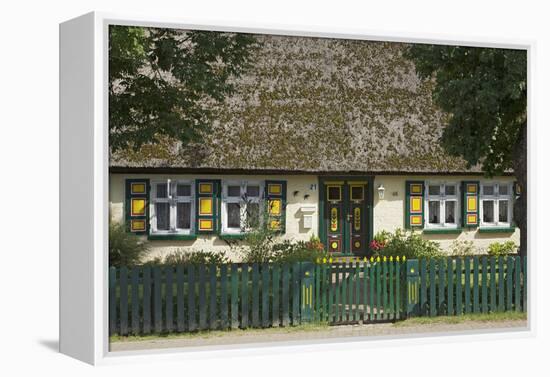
(302, 184)
(388, 212)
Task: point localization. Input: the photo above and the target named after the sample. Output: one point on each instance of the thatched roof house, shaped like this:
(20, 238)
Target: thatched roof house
(321, 129)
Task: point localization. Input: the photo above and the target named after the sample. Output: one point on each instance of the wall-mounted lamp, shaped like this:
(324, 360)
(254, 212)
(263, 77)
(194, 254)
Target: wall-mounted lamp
(381, 190)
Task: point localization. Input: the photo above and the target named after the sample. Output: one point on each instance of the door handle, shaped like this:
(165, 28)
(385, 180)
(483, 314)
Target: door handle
(348, 218)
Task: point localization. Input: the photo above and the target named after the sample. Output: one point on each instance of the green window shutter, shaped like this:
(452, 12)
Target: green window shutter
(207, 206)
(137, 206)
(414, 204)
(470, 204)
(275, 194)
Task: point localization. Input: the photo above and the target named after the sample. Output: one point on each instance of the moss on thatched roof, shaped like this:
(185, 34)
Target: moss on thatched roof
(320, 105)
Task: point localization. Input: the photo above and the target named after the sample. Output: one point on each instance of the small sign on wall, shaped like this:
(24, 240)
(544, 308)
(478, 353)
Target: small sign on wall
(308, 221)
(307, 216)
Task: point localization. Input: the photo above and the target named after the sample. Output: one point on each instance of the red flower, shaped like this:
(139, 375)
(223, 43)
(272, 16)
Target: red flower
(377, 245)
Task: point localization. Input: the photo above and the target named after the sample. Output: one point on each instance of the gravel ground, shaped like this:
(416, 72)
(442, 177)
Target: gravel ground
(330, 332)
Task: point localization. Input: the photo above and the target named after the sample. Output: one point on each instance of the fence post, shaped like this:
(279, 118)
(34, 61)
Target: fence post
(307, 278)
(413, 285)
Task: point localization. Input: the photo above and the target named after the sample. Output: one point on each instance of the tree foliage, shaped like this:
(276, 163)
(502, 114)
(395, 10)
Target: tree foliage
(484, 90)
(162, 82)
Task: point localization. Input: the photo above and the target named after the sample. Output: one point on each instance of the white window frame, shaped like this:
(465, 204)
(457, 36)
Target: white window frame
(496, 197)
(173, 200)
(241, 200)
(442, 198)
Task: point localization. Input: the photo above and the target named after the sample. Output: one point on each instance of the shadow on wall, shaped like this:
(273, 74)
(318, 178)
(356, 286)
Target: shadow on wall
(172, 243)
(204, 242)
(441, 237)
(219, 242)
(299, 216)
(504, 236)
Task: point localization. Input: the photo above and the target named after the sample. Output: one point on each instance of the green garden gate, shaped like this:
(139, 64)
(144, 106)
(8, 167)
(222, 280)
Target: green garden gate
(352, 291)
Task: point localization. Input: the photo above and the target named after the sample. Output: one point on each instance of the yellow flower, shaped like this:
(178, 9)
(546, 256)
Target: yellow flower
(324, 260)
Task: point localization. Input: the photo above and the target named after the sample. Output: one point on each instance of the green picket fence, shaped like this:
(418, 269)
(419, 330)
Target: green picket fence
(164, 299)
(456, 286)
(353, 292)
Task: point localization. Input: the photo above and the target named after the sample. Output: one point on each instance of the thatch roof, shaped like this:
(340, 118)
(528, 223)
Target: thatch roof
(319, 105)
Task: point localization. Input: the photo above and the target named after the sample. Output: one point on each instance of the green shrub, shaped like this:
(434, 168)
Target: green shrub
(300, 251)
(190, 257)
(257, 244)
(463, 248)
(125, 248)
(408, 244)
(500, 249)
(382, 236)
(261, 245)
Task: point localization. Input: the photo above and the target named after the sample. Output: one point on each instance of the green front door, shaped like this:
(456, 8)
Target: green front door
(357, 217)
(345, 219)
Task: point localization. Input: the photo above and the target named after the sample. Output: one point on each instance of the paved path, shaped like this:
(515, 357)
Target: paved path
(330, 332)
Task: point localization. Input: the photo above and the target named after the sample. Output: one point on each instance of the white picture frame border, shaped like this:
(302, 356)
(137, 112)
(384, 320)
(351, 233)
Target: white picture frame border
(84, 189)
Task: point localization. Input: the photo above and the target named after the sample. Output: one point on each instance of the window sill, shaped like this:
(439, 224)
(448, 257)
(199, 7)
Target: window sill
(496, 229)
(443, 231)
(172, 237)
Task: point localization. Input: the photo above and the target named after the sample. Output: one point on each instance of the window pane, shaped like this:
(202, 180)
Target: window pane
(503, 211)
(503, 189)
(253, 191)
(488, 211)
(434, 190)
(450, 190)
(434, 212)
(233, 215)
(488, 190)
(357, 193)
(234, 191)
(183, 190)
(253, 215)
(450, 206)
(334, 193)
(162, 190)
(162, 212)
(183, 215)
